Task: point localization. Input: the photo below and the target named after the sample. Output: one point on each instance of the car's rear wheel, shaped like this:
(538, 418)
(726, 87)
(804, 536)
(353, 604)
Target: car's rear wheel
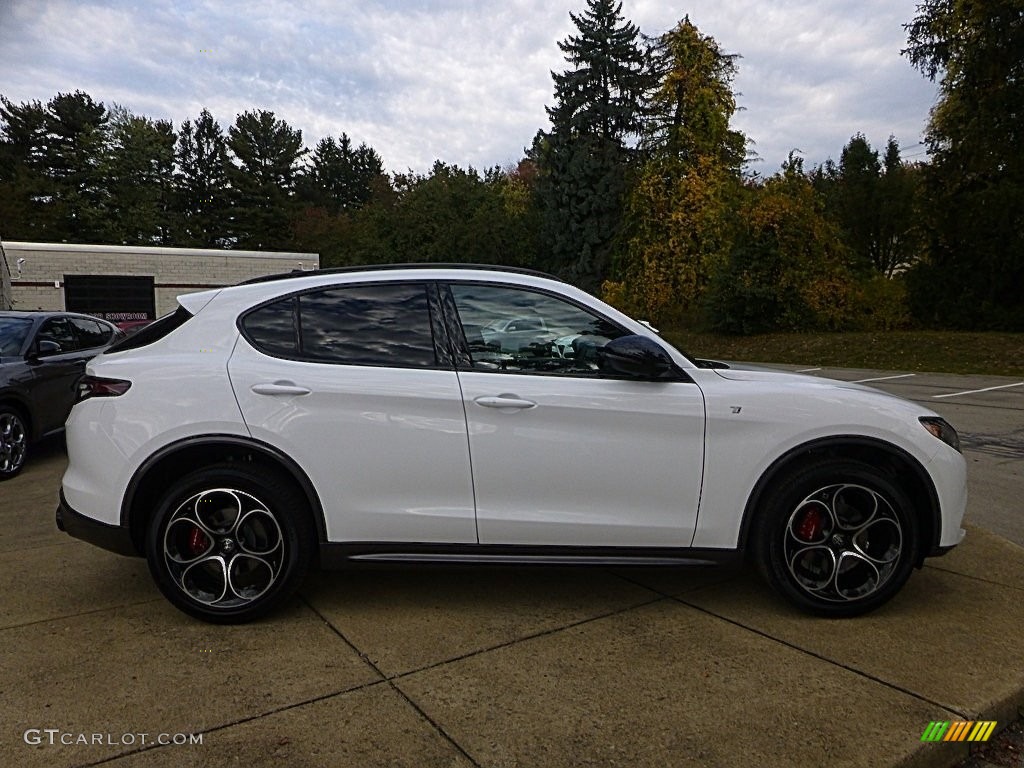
(13, 442)
(836, 538)
(228, 544)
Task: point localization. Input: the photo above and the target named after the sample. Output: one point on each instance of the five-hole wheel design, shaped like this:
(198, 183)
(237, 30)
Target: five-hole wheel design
(842, 542)
(223, 547)
(230, 542)
(836, 537)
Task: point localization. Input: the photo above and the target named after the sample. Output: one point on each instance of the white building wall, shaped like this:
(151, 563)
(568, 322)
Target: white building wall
(175, 271)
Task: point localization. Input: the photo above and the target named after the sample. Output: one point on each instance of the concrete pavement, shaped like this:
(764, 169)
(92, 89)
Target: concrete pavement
(506, 666)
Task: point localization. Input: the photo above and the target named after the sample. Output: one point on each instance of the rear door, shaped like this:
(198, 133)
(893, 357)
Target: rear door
(564, 453)
(350, 383)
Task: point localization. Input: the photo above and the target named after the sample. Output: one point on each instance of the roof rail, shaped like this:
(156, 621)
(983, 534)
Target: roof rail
(387, 267)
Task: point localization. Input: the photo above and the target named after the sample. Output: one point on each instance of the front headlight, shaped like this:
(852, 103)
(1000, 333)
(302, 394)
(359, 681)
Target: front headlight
(941, 429)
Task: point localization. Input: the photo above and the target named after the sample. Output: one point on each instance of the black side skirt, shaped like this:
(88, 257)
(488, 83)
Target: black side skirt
(349, 554)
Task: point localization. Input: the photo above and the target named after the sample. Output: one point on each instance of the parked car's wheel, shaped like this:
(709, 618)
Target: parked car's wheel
(13, 442)
(836, 538)
(228, 544)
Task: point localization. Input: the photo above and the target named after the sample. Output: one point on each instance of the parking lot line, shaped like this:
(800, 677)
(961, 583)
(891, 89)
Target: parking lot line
(986, 389)
(884, 378)
(808, 370)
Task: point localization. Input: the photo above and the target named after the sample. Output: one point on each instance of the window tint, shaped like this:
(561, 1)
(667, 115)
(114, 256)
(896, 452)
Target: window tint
(13, 332)
(58, 329)
(385, 325)
(516, 330)
(90, 333)
(153, 332)
(271, 328)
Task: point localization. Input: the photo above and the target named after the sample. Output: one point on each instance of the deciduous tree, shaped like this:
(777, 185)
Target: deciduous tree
(975, 181)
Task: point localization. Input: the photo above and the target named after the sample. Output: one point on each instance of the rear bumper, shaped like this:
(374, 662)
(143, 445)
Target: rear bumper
(114, 538)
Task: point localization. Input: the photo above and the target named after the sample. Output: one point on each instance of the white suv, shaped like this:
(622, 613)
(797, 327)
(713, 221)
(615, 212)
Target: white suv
(369, 415)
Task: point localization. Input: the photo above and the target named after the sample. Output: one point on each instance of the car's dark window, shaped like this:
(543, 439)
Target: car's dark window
(13, 332)
(522, 331)
(384, 324)
(380, 324)
(153, 332)
(272, 328)
(58, 329)
(90, 332)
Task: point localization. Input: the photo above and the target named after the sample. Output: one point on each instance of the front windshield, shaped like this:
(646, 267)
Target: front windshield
(13, 332)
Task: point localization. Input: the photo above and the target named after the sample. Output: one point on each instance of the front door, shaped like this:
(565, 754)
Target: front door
(562, 452)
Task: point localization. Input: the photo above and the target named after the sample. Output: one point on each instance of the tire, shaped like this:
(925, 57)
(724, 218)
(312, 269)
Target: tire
(13, 442)
(228, 544)
(836, 538)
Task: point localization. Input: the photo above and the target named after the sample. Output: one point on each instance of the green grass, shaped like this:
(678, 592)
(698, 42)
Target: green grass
(939, 351)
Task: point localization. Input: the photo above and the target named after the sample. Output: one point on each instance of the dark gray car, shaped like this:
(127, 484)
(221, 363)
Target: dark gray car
(42, 356)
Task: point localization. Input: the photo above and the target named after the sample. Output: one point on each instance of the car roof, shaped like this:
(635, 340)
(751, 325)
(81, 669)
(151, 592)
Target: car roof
(398, 267)
(298, 281)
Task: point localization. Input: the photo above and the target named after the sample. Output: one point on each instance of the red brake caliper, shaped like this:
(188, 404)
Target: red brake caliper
(809, 527)
(197, 541)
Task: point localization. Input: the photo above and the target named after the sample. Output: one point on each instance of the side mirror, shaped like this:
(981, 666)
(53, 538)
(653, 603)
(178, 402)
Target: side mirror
(636, 356)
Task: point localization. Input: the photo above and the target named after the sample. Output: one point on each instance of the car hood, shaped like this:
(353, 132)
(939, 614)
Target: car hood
(798, 380)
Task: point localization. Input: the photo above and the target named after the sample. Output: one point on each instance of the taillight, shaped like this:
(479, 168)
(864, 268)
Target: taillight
(97, 386)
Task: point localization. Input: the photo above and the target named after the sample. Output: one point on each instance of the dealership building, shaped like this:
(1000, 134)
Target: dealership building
(127, 282)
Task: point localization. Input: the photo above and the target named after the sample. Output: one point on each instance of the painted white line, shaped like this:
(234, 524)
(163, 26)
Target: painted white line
(986, 389)
(807, 370)
(884, 378)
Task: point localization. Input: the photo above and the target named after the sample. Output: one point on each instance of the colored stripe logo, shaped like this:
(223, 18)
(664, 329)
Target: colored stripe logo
(959, 730)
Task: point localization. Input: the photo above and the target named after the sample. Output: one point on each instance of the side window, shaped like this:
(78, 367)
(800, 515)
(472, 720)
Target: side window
(522, 331)
(272, 329)
(383, 325)
(58, 330)
(90, 333)
(386, 325)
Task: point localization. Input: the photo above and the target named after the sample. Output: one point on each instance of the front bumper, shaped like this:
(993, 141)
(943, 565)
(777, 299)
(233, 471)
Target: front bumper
(114, 538)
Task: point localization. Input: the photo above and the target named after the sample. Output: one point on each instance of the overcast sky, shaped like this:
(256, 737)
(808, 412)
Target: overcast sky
(465, 82)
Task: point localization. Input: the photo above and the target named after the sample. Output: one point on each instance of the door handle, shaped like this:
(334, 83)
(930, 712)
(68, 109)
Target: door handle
(504, 401)
(279, 388)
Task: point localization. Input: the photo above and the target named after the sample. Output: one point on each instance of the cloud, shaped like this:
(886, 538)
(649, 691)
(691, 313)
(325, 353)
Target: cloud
(465, 82)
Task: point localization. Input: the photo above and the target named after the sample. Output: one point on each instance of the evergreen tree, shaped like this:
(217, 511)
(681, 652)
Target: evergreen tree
(595, 121)
(76, 142)
(899, 234)
(266, 155)
(200, 184)
(25, 191)
(858, 199)
(138, 172)
(975, 183)
(340, 177)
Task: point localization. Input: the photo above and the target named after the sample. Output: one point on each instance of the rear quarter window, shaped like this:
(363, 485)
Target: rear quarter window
(153, 332)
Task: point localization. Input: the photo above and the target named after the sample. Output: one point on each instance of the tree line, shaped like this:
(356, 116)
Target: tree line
(640, 189)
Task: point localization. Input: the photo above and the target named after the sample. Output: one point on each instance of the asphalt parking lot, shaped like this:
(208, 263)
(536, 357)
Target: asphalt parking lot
(518, 666)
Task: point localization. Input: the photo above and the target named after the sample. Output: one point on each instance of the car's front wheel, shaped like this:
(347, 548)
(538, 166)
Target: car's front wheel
(836, 538)
(13, 442)
(228, 544)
